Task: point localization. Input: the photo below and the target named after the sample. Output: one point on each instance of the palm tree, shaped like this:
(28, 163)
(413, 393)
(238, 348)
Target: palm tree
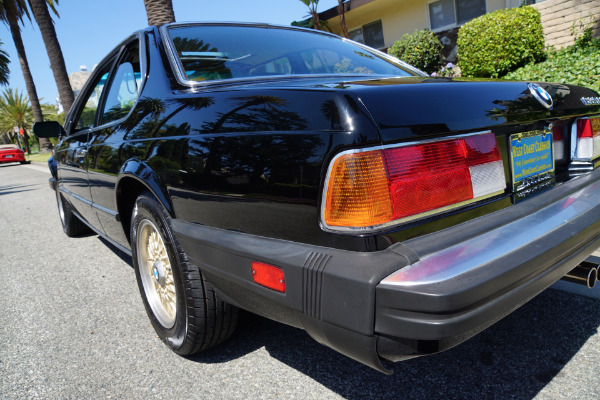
(57, 61)
(4, 61)
(159, 12)
(342, 18)
(312, 8)
(12, 13)
(245, 102)
(16, 112)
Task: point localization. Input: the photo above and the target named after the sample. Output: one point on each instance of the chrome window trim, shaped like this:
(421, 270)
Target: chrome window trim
(380, 227)
(181, 77)
(143, 71)
(141, 37)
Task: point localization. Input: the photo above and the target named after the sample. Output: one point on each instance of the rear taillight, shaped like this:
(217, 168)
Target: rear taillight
(588, 138)
(370, 189)
(558, 135)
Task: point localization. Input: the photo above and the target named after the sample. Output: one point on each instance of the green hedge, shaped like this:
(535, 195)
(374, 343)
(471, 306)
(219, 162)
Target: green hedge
(576, 65)
(421, 49)
(497, 43)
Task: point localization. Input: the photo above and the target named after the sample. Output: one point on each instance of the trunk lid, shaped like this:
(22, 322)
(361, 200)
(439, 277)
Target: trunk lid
(420, 119)
(407, 108)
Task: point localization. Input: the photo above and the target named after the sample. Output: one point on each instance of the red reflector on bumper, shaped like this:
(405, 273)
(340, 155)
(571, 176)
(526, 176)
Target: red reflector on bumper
(268, 276)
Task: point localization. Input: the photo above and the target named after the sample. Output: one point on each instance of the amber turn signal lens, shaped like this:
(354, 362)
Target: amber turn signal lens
(358, 193)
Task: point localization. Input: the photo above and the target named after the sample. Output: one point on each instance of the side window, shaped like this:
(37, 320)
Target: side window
(316, 62)
(323, 61)
(87, 115)
(124, 88)
(281, 66)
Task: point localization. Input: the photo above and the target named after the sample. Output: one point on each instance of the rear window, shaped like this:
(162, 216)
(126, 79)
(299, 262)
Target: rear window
(217, 52)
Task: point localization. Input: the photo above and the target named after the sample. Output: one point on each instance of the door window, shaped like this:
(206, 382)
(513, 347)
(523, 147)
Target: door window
(124, 88)
(87, 115)
(114, 93)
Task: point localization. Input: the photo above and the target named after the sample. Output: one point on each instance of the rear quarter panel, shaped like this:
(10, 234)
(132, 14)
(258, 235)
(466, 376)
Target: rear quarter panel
(252, 160)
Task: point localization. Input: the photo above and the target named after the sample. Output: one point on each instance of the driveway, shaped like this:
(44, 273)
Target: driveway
(72, 325)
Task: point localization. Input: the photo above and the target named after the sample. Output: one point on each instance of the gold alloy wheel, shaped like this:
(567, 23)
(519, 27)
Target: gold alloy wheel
(156, 273)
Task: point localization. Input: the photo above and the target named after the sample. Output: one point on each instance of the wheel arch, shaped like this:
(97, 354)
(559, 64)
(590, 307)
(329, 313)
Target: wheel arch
(135, 178)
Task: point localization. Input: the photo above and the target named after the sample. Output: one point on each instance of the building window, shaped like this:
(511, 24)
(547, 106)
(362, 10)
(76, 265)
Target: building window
(370, 34)
(449, 13)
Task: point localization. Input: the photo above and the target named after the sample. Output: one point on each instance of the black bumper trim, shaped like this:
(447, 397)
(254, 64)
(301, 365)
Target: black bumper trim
(330, 290)
(335, 286)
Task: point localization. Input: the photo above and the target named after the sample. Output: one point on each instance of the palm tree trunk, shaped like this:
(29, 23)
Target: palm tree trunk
(26, 141)
(342, 18)
(31, 91)
(316, 21)
(159, 12)
(57, 61)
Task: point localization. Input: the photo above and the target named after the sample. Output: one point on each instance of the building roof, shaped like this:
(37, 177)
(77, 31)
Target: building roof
(348, 5)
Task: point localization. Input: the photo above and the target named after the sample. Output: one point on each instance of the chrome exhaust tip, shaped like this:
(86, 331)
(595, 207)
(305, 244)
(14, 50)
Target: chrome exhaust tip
(585, 273)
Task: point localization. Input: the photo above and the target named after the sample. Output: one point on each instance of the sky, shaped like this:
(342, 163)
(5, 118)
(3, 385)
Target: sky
(88, 30)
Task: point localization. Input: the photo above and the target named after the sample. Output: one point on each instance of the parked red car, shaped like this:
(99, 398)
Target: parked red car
(10, 153)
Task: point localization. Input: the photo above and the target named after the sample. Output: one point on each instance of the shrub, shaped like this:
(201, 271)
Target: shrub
(582, 31)
(449, 71)
(576, 65)
(421, 49)
(497, 43)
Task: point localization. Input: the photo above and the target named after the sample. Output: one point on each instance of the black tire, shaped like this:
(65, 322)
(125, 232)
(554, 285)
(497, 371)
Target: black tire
(72, 226)
(196, 319)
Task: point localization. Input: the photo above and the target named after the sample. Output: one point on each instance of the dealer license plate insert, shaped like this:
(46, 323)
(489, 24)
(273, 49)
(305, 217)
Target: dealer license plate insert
(532, 163)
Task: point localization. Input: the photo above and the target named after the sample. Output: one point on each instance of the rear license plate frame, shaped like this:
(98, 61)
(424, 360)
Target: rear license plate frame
(532, 162)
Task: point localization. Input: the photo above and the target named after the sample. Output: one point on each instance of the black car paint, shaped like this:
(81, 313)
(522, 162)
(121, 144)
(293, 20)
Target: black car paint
(257, 152)
(252, 157)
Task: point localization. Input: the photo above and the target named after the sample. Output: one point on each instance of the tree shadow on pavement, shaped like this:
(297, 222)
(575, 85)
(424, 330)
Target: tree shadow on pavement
(13, 189)
(8, 165)
(515, 358)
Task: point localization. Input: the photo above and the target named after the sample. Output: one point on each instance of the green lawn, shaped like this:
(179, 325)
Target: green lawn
(36, 157)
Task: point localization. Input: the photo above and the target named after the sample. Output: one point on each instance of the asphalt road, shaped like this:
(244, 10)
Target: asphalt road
(72, 326)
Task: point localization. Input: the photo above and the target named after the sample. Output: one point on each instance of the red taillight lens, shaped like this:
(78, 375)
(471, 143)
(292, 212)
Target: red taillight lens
(588, 138)
(268, 276)
(373, 188)
(584, 128)
(558, 134)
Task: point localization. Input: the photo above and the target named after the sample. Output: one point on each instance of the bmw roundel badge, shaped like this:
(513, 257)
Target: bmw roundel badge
(541, 95)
